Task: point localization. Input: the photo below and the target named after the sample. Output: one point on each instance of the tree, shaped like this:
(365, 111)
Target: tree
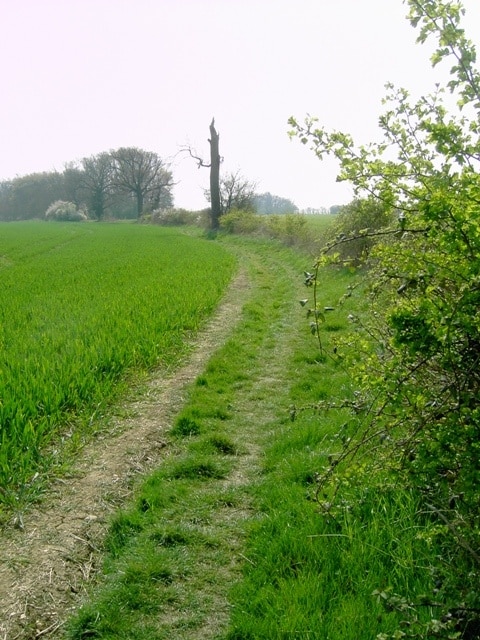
(73, 180)
(142, 174)
(267, 203)
(159, 198)
(97, 180)
(236, 192)
(214, 166)
(215, 201)
(416, 357)
(101, 182)
(29, 196)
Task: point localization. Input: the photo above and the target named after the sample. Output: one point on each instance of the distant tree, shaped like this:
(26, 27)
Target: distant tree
(29, 196)
(267, 203)
(236, 192)
(97, 181)
(213, 194)
(6, 190)
(74, 190)
(142, 174)
(264, 203)
(335, 208)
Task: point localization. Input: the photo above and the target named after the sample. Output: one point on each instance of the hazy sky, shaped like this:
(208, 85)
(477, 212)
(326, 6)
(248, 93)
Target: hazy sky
(83, 76)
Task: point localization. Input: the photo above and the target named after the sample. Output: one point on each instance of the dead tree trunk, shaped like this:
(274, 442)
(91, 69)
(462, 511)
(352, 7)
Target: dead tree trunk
(214, 166)
(214, 176)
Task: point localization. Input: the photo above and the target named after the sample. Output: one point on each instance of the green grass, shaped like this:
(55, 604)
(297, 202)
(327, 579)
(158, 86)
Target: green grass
(225, 540)
(320, 223)
(312, 574)
(83, 306)
(191, 506)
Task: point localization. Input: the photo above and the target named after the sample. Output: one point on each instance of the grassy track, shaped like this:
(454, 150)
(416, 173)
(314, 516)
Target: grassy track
(82, 306)
(189, 520)
(224, 540)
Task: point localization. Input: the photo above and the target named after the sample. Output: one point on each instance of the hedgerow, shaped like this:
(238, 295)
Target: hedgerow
(415, 352)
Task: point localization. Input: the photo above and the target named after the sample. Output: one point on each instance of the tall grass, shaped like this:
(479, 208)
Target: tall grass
(80, 307)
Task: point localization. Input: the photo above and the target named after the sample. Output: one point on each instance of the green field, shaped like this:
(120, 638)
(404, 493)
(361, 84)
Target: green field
(319, 224)
(81, 307)
(228, 537)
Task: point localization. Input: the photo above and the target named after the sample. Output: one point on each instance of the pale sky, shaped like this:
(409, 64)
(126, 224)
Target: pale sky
(79, 77)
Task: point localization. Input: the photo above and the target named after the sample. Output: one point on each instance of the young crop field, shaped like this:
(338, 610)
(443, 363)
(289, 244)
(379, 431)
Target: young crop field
(319, 224)
(81, 307)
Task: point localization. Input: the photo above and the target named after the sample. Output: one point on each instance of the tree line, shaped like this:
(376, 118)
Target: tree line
(122, 183)
(128, 182)
(125, 183)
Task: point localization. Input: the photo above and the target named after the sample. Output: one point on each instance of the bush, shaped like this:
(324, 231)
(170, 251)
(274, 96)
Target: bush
(240, 221)
(290, 228)
(62, 211)
(355, 226)
(178, 217)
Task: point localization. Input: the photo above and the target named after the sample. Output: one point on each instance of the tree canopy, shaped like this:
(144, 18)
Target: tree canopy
(142, 174)
(268, 203)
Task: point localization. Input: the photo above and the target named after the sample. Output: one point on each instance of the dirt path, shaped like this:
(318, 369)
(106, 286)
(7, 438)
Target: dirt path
(44, 567)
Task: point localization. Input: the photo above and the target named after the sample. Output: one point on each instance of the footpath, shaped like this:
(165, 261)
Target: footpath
(52, 564)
